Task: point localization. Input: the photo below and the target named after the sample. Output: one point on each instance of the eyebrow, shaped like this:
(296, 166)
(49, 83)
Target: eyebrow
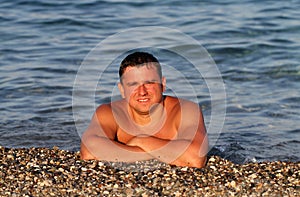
(132, 83)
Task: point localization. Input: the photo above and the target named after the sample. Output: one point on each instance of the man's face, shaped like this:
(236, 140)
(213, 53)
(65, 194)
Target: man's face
(142, 87)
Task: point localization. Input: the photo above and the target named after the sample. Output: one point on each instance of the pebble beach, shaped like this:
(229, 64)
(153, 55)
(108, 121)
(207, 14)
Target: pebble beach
(56, 172)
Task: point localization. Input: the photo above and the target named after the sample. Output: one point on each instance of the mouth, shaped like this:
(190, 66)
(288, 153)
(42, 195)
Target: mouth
(143, 100)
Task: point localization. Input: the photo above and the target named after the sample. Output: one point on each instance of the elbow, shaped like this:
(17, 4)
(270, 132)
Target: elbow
(199, 162)
(196, 162)
(85, 154)
(202, 162)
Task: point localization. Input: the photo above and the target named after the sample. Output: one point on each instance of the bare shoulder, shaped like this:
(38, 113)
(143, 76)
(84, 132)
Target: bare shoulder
(103, 108)
(187, 115)
(180, 104)
(105, 111)
(105, 117)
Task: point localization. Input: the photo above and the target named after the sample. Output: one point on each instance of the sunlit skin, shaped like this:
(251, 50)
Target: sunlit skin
(142, 89)
(146, 125)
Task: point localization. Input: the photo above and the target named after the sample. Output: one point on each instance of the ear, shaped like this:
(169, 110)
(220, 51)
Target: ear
(121, 89)
(163, 83)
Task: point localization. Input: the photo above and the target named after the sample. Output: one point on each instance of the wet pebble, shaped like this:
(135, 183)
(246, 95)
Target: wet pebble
(55, 172)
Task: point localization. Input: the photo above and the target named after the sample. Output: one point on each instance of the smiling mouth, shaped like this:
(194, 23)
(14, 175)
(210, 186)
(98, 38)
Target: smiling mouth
(143, 100)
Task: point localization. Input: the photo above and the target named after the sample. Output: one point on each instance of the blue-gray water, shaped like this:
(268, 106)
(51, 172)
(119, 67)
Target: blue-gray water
(255, 44)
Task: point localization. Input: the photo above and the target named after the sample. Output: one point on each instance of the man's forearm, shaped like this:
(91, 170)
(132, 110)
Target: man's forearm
(177, 152)
(105, 149)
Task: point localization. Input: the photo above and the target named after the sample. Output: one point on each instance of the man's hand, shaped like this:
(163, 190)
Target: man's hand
(176, 152)
(147, 143)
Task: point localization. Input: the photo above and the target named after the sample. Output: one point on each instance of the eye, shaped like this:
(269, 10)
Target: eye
(132, 84)
(150, 82)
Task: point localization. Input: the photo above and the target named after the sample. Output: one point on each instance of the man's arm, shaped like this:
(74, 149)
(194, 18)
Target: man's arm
(98, 141)
(100, 148)
(176, 152)
(190, 146)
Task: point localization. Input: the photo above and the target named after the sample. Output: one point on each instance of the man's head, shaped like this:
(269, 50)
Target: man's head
(138, 59)
(141, 81)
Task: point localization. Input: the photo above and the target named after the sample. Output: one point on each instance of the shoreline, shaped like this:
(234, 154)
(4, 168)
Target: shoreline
(56, 172)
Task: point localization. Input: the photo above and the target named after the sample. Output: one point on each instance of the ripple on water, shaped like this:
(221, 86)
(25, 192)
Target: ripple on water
(255, 45)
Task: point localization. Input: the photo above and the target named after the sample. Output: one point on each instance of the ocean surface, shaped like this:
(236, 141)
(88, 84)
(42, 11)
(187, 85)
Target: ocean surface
(47, 101)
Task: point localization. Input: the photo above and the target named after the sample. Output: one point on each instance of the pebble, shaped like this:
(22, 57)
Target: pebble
(55, 172)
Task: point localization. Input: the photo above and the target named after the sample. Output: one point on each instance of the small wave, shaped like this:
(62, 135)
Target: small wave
(291, 100)
(46, 4)
(242, 108)
(63, 21)
(233, 51)
(295, 131)
(232, 152)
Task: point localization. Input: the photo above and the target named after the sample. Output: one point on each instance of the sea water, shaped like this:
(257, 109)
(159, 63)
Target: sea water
(255, 46)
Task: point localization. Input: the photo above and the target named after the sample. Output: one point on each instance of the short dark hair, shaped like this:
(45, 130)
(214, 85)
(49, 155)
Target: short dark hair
(139, 59)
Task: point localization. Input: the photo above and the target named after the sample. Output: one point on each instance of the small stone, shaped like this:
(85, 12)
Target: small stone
(213, 167)
(116, 186)
(253, 176)
(105, 192)
(49, 172)
(233, 184)
(212, 160)
(184, 169)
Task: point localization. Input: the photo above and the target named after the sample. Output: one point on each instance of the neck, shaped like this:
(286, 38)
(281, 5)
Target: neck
(153, 117)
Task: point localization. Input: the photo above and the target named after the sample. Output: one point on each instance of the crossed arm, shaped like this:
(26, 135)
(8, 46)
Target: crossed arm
(182, 151)
(176, 152)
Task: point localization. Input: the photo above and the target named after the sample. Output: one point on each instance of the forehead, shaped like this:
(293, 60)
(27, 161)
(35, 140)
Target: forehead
(140, 73)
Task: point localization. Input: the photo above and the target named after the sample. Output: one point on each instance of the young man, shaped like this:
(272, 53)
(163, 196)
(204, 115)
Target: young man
(145, 124)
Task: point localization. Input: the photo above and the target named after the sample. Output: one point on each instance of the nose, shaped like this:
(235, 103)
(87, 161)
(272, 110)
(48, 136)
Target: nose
(142, 90)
